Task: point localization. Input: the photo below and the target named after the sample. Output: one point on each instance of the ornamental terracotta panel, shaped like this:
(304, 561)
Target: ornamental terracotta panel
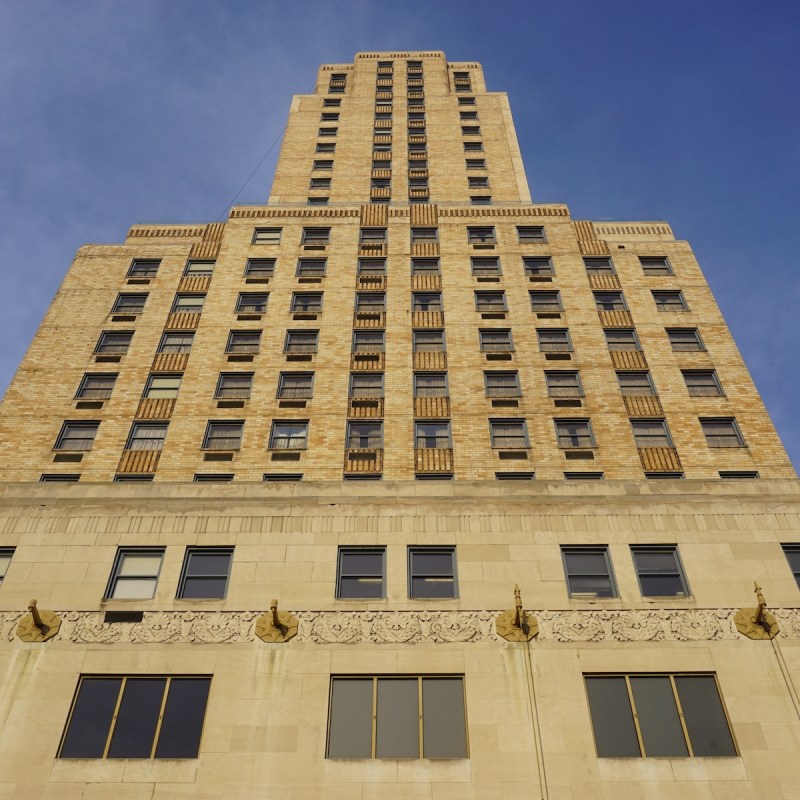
(426, 281)
(194, 283)
(365, 409)
(430, 361)
(366, 362)
(372, 283)
(615, 319)
(170, 362)
(426, 407)
(373, 250)
(139, 461)
(427, 319)
(425, 215)
(659, 459)
(604, 282)
(375, 216)
(368, 461)
(367, 319)
(628, 359)
(643, 406)
(430, 249)
(432, 459)
(182, 322)
(155, 408)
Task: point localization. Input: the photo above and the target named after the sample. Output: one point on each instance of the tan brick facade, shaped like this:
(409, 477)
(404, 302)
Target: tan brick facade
(528, 725)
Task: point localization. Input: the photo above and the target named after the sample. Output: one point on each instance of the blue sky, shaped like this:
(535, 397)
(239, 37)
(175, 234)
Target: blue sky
(114, 113)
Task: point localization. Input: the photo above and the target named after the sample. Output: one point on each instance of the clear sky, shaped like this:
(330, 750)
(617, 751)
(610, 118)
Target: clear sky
(688, 110)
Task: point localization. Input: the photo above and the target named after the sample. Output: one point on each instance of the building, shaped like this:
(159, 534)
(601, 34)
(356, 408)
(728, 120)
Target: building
(367, 409)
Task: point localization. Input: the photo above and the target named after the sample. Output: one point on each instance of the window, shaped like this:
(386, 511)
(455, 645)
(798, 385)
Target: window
(366, 385)
(538, 267)
(598, 266)
(685, 340)
(381, 164)
(144, 268)
(361, 573)
(428, 341)
(584, 476)
(321, 165)
(588, 571)
(289, 435)
(636, 383)
(370, 302)
(563, 384)
(508, 434)
(432, 435)
(622, 339)
(372, 236)
(188, 303)
(176, 342)
(205, 573)
(311, 267)
(574, 433)
(470, 130)
(659, 570)
(702, 382)
(113, 342)
(325, 147)
(554, 340)
(129, 304)
(380, 183)
(96, 386)
(491, 302)
(397, 717)
(57, 477)
(527, 234)
(545, 302)
(670, 301)
(655, 265)
(426, 301)
(320, 183)
(301, 342)
(77, 435)
(514, 476)
(199, 269)
(223, 435)
(316, 236)
(364, 435)
(473, 147)
(329, 116)
(369, 341)
(468, 115)
(259, 268)
(722, 432)
(295, 385)
(502, 384)
(476, 163)
(327, 131)
(609, 301)
(139, 716)
(425, 266)
(252, 303)
(372, 266)
(430, 384)
(243, 342)
(466, 101)
(651, 433)
(658, 715)
(478, 183)
(481, 236)
(480, 200)
(162, 386)
(283, 477)
(271, 235)
(739, 474)
(496, 340)
(791, 551)
(135, 573)
(6, 554)
(432, 572)
(132, 478)
(306, 302)
(234, 386)
(485, 267)
(664, 476)
(332, 102)
(424, 235)
(213, 477)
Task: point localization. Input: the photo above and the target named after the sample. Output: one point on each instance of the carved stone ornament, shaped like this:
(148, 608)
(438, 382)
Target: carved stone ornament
(38, 626)
(277, 626)
(757, 623)
(515, 625)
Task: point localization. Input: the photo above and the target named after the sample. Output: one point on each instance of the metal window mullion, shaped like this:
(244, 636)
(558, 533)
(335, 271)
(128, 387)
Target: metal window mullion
(374, 716)
(419, 714)
(160, 717)
(680, 715)
(114, 715)
(635, 716)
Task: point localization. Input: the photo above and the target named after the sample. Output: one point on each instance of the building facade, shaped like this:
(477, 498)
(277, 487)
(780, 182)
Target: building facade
(273, 481)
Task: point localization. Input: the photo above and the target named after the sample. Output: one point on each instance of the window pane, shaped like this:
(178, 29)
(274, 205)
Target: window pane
(134, 588)
(397, 734)
(444, 732)
(659, 722)
(432, 587)
(137, 718)
(145, 564)
(612, 719)
(208, 563)
(432, 563)
(183, 718)
(204, 588)
(704, 716)
(350, 733)
(363, 587)
(91, 718)
(362, 563)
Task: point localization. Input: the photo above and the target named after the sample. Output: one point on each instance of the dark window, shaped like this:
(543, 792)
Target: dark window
(702, 382)
(425, 266)
(481, 200)
(135, 573)
(289, 435)
(483, 235)
(234, 385)
(364, 435)
(77, 435)
(295, 385)
(722, 432)
(199, 269)
(609, 301)
(369, 341)
(485, 267)
(311, 268)
(636, 383)
(739, 474)
(655, 265)
(432, 572)
(306, 302)
(622, 339)
(584, 476)
(325, 147)
(424, 235)
(327, 132)
(470, 130)
(361, 573)
(147, 436)
(113, 342)
(188, 303)
(430, 384)
(496, 340)
(320, 183)
(301, 342)
(574, 433)
(139, 716)
(252, 303)
(371, 266)
(144, 268)
(426, 301)
(563, 384)
(316, 236)
(323, 164)
(473, 147)
(502, 384)
(658, 715)
(6, 554)
(588, 571)
(129, 304)
(57, 477)
(466, 101)
(428, 341)
(271, 235)
(538, 266)
(508, 434)
(651, 433)
(223, 435)
(685, 339)
(792, 553)
(670, 301)
(243, 342)
(492, 302)
(554, 340)
(526, 234)
(367, 385)
(478, 183)
(397, 717)
(476, 163)
(215, 477)
(96, 386)
(372, 235)
(598, 266)
(432, 435)
(659, 570)
(370, 302)
(205, 573)
(545, 301)
(176, 342)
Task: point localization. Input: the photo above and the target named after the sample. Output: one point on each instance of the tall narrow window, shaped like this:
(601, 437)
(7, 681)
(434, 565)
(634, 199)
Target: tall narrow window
(6, 554)
(361, 573)
(588, 571)
(432, 572)
(205, 573)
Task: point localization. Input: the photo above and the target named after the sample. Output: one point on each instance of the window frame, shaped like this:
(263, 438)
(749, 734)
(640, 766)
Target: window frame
(415, 333)
(291, 348)
(135, 438)
(345, 550)
(180, 298)
(452, 577)
(77, 424)
(199, 268)
(575, 421)
(101, 348)
(667, 308)
(290, 446)
(501, 391)
(557, 308)
(553, 391)
(647, 264)
(220, 388)
(678, 571)
(306, 302)
(552, 347)
(143, 268)
(162, 342)
(267, 235)
(792, 548)
(6, 557)
(736, 431)
(233, 347)
(495, 437)
(301, 392)
(531, 234)
(210, 436)
(352, 434)
(652, 421)
(631, 391)
(155, 377)
(594, 549)
(191, 550)
(448, 437)
(713, 382)
(96, 393)
(682, 347)
(445, 389)
(614, 347)
(123, 297)
(124, 552)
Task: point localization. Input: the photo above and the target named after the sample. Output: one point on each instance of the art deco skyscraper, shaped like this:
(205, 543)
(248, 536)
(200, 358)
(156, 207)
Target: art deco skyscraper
(385, 397)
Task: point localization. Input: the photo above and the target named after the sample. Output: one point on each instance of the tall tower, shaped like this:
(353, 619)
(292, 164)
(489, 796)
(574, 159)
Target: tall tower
(403, 388)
